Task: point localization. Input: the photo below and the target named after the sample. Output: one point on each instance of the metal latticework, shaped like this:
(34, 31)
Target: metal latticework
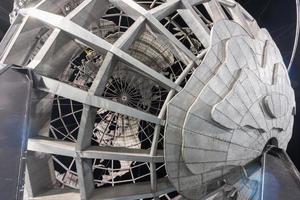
(105, 71)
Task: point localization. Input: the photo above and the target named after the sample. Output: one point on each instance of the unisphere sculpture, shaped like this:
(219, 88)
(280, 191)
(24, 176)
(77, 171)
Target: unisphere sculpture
(238, 99)
(167, 99)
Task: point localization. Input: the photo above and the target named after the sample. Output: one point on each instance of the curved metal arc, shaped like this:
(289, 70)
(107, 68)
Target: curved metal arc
(296, 35)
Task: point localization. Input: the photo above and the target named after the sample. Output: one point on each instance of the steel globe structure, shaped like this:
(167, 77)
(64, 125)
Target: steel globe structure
(162, 99)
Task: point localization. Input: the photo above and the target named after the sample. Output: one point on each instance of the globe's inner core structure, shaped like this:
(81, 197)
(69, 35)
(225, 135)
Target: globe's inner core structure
(147, 99)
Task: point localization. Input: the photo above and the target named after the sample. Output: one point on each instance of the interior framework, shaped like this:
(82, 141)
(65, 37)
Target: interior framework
(185, 44)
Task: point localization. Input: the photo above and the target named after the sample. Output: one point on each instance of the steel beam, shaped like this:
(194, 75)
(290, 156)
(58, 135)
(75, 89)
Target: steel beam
(131, 7)
(59, 194)
(76, 94)
(133, 191)
(165, 9)
(99, 44)
(58, 147)
(51, 146)
(121, 153)
(214, 9)
(196, 24)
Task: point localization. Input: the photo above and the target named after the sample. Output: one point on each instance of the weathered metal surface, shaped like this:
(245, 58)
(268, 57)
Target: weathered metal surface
(235, 101)
(15, 90)
(105, 72)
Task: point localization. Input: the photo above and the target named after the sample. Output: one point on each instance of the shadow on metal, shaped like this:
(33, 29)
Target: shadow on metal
(280, 178)
(15, 87)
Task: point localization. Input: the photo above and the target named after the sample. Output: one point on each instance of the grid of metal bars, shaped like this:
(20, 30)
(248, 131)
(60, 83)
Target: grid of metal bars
(109, 54)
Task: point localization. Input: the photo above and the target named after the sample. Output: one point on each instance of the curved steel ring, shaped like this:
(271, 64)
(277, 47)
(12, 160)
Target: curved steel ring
(296, 35)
